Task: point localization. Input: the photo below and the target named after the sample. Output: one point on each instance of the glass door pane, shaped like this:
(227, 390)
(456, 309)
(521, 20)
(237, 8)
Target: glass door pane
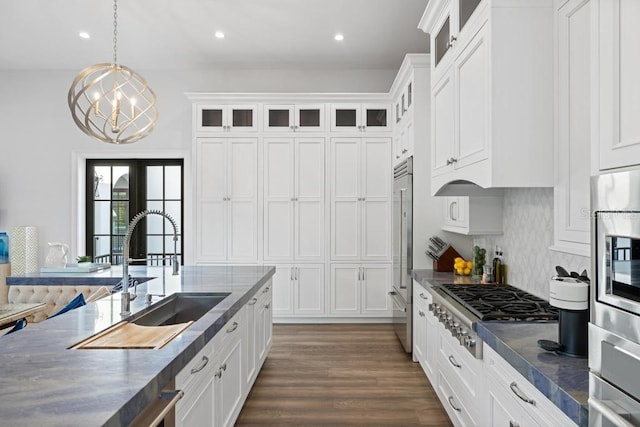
(309, 117)
(346, 117)
(465, 10)
(242, 117)
(212, 117)
(376, 117)
(442, 41)
(279, 118)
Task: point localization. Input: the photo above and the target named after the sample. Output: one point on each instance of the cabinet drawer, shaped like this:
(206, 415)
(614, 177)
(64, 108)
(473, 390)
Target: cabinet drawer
(456, 361)
(536, 404)
(198, 368)
(233, 328)
(453, 404)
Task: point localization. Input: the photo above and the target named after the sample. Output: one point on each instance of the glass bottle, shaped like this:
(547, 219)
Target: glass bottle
(4, 248)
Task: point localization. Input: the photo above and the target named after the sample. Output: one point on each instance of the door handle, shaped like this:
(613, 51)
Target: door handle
(608, 413)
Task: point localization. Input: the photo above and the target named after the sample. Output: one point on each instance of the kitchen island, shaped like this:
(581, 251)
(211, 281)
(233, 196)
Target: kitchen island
(43, 382)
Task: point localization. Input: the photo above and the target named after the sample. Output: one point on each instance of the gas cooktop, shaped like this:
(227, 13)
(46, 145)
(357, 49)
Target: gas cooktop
(501, 302)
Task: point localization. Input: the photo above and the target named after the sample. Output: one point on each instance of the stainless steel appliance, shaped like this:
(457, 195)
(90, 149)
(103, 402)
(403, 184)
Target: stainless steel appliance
(614, 331)
(403, 252)
(460, 307)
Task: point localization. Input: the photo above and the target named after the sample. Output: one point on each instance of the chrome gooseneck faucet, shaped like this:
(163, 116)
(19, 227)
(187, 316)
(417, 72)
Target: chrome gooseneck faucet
(126, 296)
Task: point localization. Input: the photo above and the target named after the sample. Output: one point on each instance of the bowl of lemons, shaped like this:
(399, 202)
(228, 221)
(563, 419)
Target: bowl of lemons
(462, 267)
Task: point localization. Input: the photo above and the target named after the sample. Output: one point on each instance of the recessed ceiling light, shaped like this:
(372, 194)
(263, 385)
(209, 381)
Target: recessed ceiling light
(219, 35)
(84, 35)
(338, 37)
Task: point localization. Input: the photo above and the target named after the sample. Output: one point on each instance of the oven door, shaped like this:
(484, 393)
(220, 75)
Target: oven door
(617, 260)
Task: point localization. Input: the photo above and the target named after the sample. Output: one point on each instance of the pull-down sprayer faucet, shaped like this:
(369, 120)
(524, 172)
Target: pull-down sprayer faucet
(126, 296)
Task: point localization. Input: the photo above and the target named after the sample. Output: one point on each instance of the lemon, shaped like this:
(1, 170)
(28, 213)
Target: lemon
(469, 264)
(457, 259)
(467, 271)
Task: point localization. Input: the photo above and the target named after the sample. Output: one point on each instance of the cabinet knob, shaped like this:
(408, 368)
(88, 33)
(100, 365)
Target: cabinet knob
(404, 151)
(451, 161)
(451, 40)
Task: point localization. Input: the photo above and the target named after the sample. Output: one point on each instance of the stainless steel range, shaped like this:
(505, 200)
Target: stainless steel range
(460, 307)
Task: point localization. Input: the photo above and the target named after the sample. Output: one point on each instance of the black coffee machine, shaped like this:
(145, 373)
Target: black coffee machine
(571, 296)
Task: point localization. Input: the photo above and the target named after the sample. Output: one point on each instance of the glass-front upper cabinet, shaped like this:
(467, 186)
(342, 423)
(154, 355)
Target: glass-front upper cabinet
(360, 117)
(227, 118)
(465, 10)
(294, 118)
(450, 25)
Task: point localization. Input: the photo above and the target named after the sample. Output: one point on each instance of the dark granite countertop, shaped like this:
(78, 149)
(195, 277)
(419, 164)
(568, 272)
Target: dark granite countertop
(44, 383)
(563, 380)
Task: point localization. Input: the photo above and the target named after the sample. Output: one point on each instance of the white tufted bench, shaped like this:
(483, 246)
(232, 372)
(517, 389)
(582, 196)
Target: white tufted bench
(56, 297)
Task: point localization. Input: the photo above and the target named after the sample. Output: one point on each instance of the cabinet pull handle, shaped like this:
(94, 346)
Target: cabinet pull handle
(454, 362)
(218, 374)
(516, 390)
(359, 274)
(451, 205)
(233, 328)
(223, 367)
(205, 360)
(291, 274)
(452, 405)
(513, 424)
(267, 306)
(265, 290)
(608, 413)
(404, 150)
(421, 313)
(177, 395)
(296, 269)
(422, 296)
(252, 302)
(451, 40)
(363, 272)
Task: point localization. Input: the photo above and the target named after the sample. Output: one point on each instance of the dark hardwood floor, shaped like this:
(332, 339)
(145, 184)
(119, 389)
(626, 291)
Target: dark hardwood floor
(340, 375)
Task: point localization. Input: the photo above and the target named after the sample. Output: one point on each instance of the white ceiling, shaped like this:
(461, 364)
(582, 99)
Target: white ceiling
(179, 34)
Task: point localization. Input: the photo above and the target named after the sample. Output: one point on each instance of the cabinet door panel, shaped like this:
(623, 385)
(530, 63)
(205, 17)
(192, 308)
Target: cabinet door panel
(345, 289)
(375, 288)
(213, 233)
(243, 228)
(472, 78)
(310, 168)
(231, 384)
(345, 229)
(442, 125)
(278, 168)
(198, 410)
(244, 169)
(572, 189)
(346, 168)
(376, 179)
(278, 229)
(212, 168)
(376, 223)
(309, 242)
(283, 290)
(309, 290)
(619, 83)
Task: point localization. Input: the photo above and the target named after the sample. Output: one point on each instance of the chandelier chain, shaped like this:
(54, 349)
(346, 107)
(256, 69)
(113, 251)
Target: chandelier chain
(115, 32)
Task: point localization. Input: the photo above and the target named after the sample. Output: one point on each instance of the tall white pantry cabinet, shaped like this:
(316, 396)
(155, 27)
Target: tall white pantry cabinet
(310, 195)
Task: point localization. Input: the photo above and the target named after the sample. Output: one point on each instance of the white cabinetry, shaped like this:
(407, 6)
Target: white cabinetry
(217, 381)
(616, 91)
(226, 118)
(226, 199)
(360, 117)
(573, 130)
(299, 290)
(294, 117)
(459, 380)
(492, 116)
(425, 333)
(360, 199)
(512, 395)
(294, 199)
(360, 290)
(473, 215)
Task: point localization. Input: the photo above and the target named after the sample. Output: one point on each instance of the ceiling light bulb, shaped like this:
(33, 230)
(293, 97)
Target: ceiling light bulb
(338, 37)
(219, 35)
(84, 35)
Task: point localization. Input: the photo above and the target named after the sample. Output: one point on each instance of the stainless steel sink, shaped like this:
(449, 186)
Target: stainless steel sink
(179, 308)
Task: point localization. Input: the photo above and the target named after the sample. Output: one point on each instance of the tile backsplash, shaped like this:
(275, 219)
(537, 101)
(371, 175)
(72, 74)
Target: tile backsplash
(528, 234)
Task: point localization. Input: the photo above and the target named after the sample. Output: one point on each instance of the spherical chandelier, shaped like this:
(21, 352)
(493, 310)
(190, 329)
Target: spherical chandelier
(112, 102)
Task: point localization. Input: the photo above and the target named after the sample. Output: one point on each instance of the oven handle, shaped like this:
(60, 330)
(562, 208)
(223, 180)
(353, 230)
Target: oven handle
(608, 413)
(398, 301)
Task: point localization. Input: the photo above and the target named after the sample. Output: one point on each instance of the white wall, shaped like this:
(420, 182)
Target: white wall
(39, 137)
